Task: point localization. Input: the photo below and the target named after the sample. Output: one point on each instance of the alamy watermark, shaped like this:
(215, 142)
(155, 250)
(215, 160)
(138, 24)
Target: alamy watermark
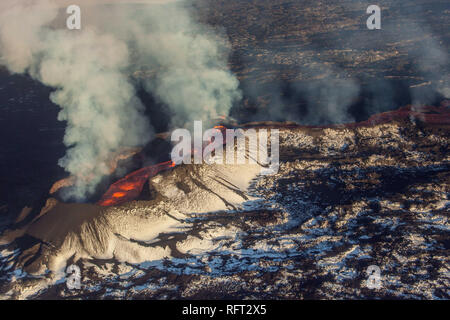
(249, 146)
(73, 280)
(73, 22)
(373, 277)
(374, 20)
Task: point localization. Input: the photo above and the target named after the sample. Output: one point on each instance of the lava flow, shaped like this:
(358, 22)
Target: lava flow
(130, 187)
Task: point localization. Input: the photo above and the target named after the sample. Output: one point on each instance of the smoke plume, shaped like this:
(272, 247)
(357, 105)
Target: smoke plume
(192, 76)
(90, 72)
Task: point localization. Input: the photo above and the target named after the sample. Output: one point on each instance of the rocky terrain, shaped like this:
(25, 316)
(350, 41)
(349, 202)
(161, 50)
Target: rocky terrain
(345, 197)
(356, 187)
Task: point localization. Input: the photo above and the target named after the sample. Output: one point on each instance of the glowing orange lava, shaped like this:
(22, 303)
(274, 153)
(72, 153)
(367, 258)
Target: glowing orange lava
(119, 194)
(127, 186)
(130, 187)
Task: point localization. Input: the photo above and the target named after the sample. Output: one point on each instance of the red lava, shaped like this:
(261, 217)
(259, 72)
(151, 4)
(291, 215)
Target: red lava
(130, 187)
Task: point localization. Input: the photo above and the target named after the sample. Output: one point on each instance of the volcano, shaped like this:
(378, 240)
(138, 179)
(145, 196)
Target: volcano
(364, 176)
(130, 187)
(205, 223)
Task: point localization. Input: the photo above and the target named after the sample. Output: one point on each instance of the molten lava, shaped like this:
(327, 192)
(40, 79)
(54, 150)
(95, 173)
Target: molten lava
(130, 187)
(123, 154)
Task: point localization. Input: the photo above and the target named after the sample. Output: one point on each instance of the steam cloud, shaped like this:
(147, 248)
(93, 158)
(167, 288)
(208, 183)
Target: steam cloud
(193, 77)
(90, 71)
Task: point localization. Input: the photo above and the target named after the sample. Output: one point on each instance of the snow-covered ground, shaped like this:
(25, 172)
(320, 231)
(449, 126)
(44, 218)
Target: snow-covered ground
(344, 199)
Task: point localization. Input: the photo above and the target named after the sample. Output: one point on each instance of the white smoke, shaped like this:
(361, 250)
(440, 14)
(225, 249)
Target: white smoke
(193, 77)
(89, 70)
